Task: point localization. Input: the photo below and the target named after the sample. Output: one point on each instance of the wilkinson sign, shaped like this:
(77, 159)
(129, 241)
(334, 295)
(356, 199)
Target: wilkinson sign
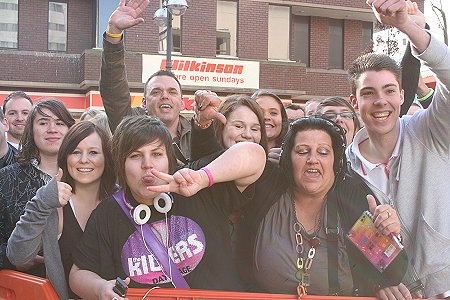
(206, 72)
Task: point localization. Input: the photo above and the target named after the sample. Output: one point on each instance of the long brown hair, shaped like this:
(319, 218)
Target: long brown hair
(29, 150)
(74, 136)
(284, 117)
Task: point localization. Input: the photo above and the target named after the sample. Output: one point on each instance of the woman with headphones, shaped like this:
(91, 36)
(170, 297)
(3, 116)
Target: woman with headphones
(152, 239)
(306, 207)
(293, 237)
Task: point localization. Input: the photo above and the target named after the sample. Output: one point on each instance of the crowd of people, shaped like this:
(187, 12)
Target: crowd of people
(248, 195)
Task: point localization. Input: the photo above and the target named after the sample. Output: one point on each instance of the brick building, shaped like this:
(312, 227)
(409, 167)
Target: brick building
(299, 48)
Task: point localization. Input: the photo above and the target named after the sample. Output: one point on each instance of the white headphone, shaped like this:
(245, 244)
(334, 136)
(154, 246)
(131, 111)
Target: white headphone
(144, 208)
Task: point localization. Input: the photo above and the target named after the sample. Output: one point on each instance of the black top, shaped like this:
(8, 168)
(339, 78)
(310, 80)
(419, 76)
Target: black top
(18, 184)
(199, 241)
(350, 195)
(68, 240)
(9, 158)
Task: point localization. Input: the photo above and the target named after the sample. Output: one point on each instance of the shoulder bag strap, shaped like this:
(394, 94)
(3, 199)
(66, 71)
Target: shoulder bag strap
(153, 243)
(332, 231)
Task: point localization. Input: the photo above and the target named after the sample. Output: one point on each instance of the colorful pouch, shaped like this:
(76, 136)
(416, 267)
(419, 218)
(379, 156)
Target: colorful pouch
(379, 249)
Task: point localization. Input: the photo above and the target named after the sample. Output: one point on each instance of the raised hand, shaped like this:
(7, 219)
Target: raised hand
(64, 190)
(390, 12)
(206, 107)
(127, 15)
(185, 182)
(415, 14)
(385, 217)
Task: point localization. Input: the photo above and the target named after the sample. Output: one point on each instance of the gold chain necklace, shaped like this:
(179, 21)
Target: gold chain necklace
(304, 264)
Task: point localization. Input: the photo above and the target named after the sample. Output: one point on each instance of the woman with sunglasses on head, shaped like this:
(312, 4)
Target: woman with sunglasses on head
(55, 218)
(293, 208)
(155, 239)
(339, 110)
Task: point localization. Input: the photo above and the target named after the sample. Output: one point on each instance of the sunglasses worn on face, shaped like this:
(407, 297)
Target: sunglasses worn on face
(347, 115)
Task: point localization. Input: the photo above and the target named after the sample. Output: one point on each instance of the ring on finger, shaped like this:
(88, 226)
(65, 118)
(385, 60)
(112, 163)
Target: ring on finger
(389, 214)
(115, 298)
(201, 104)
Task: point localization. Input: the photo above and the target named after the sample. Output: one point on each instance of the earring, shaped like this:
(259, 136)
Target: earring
(167, 203)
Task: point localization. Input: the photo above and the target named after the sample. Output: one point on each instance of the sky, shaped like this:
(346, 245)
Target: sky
(431, 20)
(431, 17)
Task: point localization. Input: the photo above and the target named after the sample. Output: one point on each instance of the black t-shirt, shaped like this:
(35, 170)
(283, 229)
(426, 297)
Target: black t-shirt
(199, 241)
(70, 237)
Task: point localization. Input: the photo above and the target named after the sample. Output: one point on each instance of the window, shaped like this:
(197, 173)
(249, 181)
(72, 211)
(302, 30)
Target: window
(104, 9)
(226, 28)
(367, 32)
(176, 35)
(336, 44)
(301, 39)
(279, 18)
(57, 26)
(9, 16)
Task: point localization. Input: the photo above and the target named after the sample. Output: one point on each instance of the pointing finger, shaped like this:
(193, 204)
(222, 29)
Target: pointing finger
(220, 117)
(163, 176)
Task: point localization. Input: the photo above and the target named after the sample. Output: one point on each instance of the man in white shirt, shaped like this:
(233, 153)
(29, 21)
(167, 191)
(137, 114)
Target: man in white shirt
(414, 149)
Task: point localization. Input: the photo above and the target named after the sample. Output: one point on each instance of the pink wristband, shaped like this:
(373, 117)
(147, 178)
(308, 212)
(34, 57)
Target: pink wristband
(209, 174)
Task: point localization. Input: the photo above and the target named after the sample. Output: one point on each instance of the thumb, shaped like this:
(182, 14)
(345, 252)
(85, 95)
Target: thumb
(372, 203)
(220, 117)
(127, 281)
(59, 175)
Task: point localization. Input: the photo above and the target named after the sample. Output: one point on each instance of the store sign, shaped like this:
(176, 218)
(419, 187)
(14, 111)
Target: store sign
(204, 72)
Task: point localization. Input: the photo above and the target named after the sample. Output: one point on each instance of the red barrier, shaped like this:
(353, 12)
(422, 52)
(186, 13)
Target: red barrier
(186, 294)
(16, 286)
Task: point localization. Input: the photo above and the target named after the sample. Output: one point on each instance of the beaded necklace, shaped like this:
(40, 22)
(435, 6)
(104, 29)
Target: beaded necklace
(304, 263)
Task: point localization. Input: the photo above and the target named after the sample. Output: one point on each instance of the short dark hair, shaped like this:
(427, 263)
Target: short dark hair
(2, 116)
(134, 132)
(373, 62)
(341, 102)
(284, 117)
(14, 95)
(294, 106)
(232, 103)
(29, 150)
(162, 73)
(313, 122)
(74, 136)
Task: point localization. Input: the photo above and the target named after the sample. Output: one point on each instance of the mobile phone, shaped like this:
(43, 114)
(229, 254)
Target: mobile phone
(120, 288)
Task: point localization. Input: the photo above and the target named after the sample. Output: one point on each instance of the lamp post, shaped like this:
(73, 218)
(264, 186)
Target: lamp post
(163, 16)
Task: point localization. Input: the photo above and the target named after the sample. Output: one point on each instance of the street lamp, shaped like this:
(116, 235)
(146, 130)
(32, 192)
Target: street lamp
(163, 16)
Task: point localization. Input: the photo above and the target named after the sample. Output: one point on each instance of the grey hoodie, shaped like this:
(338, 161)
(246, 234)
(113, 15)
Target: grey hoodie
(421, 178)
(37, 229)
